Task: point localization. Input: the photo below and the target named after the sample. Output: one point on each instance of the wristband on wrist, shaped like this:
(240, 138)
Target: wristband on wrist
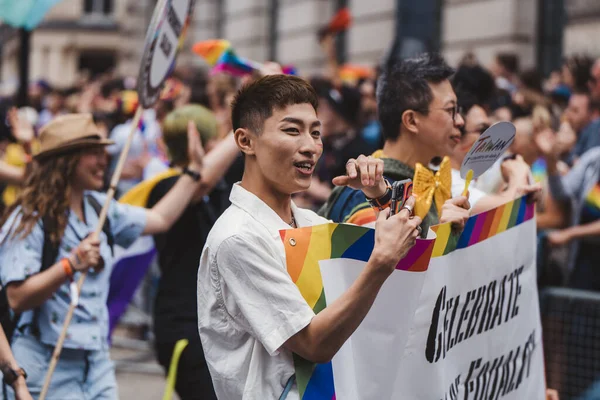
(67, 267)
(384, 201)
(11, 375)
(193, 174)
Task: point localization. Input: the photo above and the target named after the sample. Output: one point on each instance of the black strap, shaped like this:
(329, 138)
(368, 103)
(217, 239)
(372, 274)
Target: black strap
(49, 256)
(110, 239)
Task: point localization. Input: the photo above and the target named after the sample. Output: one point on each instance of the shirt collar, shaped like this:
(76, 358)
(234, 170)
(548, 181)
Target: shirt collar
(264, 214)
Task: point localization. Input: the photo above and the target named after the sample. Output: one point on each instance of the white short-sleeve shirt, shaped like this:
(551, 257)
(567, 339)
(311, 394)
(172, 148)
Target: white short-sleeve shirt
(458, 185)
(248, 306)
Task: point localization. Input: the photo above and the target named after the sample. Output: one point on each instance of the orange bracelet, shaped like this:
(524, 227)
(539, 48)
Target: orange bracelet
(67, 267)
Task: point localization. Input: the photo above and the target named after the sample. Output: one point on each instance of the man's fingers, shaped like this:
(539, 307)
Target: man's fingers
(378, 170)
(194, 141)
(341, 180)
(383, 214)
(461, 201)
(363, 167)
(372, 164)
(410, 202)
(351, 168)
(417, 220)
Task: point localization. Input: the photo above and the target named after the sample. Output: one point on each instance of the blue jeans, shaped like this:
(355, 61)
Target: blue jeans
(79, 374)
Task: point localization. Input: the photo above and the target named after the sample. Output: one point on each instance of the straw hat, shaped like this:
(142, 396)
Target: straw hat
(69, 132)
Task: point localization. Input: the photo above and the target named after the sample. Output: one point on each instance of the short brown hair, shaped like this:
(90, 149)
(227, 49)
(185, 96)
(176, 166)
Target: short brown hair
(255, 102)
(175, 130)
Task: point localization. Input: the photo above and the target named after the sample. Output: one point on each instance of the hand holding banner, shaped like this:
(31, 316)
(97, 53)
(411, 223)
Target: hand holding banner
(340, 252)
(451, 322)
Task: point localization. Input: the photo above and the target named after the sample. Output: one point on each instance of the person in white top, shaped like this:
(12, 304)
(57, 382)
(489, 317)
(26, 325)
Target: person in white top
(251, 316)
(514, 171)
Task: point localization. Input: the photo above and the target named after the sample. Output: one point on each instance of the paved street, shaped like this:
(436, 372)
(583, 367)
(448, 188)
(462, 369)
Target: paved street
(138, 375)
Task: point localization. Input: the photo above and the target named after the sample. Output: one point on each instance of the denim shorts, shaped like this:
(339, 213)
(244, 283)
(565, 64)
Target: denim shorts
(79, 374)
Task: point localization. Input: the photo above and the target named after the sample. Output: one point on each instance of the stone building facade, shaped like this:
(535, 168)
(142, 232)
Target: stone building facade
(98, 34)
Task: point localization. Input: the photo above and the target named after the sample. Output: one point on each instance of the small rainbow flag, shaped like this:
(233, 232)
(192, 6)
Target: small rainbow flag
(351, 73)
(211, 50)
(231, 63)
(483, 226)
(539, 170)
(304, 248)
(289, 70)
(592, 202)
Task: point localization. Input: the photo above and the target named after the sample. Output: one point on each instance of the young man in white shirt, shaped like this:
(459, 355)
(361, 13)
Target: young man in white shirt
(251, 316)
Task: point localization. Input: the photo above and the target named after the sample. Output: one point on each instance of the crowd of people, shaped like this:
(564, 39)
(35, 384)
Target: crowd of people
(330, 142)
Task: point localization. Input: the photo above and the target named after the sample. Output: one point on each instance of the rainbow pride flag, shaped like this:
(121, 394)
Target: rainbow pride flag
(592, 202)
(539, 170)
(211, 50)
(289, 70)
(483, 226)
(304, 248)
(351, 73)
(231, 63)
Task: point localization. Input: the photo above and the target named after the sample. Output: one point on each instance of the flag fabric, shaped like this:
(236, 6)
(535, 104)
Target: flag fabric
(341, 21)
(131, 264)
(231, 63)
(305, 248)
(25, 13)
(211, 50)
(351, 73)
(290, 70)
(539, 170)
(323, 261)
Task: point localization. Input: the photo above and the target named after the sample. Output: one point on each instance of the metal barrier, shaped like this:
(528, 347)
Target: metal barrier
(571, 336)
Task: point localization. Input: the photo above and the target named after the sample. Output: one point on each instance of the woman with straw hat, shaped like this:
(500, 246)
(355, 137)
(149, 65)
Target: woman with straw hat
(57, 210)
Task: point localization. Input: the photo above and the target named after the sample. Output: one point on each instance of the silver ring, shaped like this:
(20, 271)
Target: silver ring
(408, 208)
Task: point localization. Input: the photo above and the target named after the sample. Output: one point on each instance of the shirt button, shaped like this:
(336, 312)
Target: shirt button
(292, 241)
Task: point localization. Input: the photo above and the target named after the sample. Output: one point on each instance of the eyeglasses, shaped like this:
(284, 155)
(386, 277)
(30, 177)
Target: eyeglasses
(453, 111)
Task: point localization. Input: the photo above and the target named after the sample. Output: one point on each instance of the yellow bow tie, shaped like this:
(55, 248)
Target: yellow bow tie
(428, 187)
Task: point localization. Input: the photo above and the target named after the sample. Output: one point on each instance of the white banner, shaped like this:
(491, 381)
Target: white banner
(476, 332)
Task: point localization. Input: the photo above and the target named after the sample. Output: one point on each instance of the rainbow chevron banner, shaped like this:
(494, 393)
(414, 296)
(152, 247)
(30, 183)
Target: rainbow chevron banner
(478, 288)
(306, 248)
(483, 226)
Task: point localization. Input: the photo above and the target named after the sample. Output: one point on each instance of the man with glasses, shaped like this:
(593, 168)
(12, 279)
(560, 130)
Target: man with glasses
(420, 120)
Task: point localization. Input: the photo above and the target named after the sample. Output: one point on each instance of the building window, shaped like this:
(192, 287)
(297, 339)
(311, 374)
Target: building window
(98, 7)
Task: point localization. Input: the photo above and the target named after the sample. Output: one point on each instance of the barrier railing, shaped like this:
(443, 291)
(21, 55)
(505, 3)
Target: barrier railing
(571, 331)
